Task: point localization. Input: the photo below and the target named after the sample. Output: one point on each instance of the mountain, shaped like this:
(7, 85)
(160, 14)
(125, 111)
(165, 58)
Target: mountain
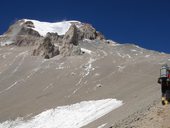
(67, 74)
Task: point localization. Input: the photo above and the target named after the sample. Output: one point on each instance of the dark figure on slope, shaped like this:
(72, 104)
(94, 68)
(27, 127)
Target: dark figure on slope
(164, 80)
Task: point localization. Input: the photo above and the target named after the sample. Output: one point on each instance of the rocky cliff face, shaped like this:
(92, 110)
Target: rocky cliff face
(26, 33)
(20, 34)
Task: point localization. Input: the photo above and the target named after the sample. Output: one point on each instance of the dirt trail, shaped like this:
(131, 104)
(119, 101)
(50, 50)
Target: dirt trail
(155, 116)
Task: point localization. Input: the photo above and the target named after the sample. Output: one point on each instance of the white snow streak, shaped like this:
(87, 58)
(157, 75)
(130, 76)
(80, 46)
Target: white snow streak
(86, 50)
(20, 62)
(113, 43)
(71, 116)
(60, 66)
(101, 126)
(6, 43)
(88, 67)
(147, 56)
(124, 55)
(49, 86)
(133, 50)
(6, 89)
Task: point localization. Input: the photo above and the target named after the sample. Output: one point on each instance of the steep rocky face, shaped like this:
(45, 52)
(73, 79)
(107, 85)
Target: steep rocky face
(69, 43)
(21, 34)
(69, 40)
(88, 32)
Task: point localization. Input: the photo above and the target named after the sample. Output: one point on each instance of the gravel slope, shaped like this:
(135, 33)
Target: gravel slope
(29, 85)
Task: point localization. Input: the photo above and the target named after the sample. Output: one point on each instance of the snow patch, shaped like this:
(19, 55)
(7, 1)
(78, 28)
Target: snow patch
(71, 116)
(128, 56)
(88, 67)
(133, 50)
(44, 27)
(60, 66)
(88, 40)
(163, 53)
(124, 55)
(86, 50)
(113, 43)
(5, 43)
(147, 56)
(101, 126)
(138, 46)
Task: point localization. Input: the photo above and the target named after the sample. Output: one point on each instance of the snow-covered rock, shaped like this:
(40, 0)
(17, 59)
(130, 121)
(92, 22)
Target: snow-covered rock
(71, 116)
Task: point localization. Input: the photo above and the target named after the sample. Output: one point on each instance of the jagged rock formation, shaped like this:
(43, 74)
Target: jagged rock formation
(69, 40)
(53, 44)
(88, 32)
(21, 34)
(46, 49)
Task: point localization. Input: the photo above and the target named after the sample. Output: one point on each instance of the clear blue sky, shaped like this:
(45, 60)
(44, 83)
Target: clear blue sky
(142, 22)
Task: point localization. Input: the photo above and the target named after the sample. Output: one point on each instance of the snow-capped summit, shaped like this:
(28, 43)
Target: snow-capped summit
(58, 27)
(28, 32)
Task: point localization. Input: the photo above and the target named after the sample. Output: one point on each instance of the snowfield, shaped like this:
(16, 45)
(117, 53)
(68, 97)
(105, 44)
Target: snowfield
(44, 27)
(71, 116)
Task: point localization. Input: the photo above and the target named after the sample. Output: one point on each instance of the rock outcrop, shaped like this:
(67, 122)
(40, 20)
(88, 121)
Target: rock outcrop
(21, 34)
(46, 49)
(88, 32)
(54, 44)
(69, 40)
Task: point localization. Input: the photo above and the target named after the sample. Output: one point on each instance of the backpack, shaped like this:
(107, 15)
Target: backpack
(164, 71)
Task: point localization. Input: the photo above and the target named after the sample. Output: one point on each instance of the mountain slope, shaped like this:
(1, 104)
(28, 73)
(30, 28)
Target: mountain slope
(30, 84)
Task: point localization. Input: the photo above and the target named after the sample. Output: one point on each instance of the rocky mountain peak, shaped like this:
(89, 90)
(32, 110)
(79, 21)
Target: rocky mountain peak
(47, 37)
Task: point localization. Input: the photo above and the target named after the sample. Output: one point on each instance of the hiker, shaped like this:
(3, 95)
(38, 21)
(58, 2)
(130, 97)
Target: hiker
(164, 80)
